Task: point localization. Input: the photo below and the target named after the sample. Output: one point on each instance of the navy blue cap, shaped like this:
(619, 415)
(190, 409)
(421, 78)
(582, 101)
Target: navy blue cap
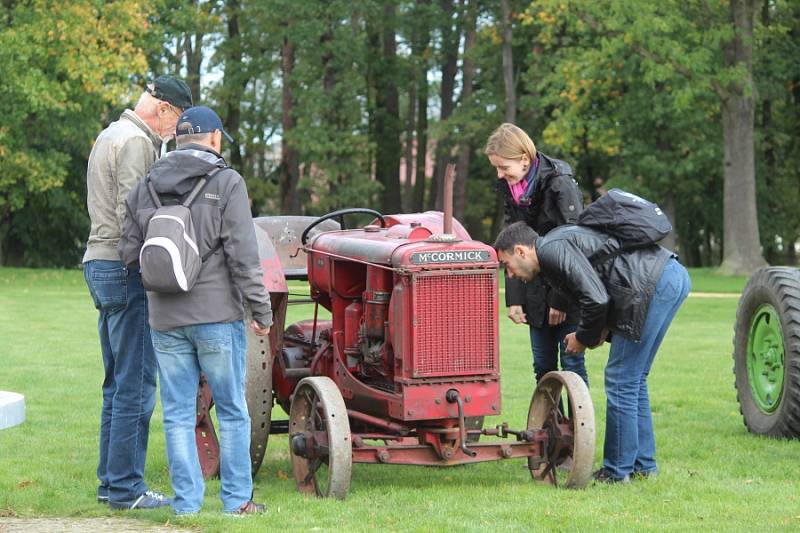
(200, 119)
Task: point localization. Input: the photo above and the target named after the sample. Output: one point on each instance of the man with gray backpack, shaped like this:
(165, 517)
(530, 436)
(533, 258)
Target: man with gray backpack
(190, 231)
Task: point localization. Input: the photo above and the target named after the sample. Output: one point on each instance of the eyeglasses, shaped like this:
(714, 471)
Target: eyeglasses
(174, 110)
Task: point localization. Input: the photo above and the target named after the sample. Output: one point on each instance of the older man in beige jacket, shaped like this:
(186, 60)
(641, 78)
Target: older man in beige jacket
(122, 155)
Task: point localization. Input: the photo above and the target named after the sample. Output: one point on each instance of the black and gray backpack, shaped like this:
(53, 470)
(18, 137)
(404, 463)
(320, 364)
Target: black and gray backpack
(170, 259)
(632, 220)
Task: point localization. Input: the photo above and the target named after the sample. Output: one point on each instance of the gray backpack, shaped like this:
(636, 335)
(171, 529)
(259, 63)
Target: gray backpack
(170, 259)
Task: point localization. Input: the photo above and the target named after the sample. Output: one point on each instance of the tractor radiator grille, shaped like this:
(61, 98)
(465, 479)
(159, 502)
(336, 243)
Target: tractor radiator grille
(454, 320)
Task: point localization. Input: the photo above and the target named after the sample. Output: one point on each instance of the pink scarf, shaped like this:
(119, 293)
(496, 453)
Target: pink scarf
(518, 189)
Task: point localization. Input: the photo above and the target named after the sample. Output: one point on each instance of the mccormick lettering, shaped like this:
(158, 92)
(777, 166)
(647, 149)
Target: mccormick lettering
(455, 256)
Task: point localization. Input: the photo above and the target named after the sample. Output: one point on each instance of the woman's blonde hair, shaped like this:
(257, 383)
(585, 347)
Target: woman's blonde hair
(510, 142)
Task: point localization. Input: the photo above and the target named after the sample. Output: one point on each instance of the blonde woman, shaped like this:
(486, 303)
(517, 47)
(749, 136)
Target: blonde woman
(540, 191)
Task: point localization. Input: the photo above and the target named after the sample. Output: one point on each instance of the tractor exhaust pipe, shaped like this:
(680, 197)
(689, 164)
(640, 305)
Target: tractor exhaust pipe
(449, 178)
(453, 396)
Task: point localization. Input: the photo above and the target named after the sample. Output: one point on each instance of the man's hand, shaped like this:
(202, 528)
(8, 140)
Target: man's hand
(516, 314)
(573, 344)
(556, 317)
(603, 336)
(258, 329)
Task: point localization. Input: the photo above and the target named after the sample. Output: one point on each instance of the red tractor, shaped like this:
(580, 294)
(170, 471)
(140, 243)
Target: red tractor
(406, 367)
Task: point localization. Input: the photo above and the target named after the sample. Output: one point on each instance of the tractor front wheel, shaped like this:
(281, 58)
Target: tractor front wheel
(766, 353)
(319, 439)
(569, 455)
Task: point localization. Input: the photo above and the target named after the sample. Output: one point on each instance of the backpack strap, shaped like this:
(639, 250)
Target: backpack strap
(197, 188)
(211, 251)
(153, 193)
(599, 260)
(200, 184)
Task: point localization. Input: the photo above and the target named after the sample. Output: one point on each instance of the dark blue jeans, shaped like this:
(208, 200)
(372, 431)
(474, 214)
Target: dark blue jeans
(630, 442)
(546, 343)
(129, 384)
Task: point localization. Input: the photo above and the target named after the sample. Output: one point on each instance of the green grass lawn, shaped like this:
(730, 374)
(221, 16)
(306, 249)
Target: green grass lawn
(714, 475)
(707, 280)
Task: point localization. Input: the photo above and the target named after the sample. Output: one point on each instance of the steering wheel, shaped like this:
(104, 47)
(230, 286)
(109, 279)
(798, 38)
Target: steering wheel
(340, 214)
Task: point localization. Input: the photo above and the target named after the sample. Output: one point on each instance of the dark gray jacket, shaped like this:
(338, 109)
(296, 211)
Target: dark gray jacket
(556, 200)
(222, 221)
(614, 293)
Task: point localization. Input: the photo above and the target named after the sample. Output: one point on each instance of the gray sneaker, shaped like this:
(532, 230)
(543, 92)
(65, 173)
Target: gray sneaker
(149, 500)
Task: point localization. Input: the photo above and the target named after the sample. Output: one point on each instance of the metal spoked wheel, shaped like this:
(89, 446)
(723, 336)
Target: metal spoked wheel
(570, 451)
(204, 432)
(319, 439)
(258, 387)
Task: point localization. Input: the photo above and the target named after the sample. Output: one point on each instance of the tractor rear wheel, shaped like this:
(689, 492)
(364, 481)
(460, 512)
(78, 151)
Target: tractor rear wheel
(258, 388)
(319, 439)
(766, 356)
(569, 455)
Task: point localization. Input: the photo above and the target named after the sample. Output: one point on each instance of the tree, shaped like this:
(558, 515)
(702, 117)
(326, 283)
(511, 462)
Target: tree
(385, 111)
(741, 240)
(465, 148)
(671, 40)
(450, 29)
(64, 65)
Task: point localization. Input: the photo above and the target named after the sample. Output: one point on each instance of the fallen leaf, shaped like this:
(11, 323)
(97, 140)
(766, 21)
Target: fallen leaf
(281, 474)
(24, 483)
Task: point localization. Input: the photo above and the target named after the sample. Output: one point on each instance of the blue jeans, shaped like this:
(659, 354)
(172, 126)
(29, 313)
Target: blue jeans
(546, 343)
(630, 443)
(218, 350)
(129, 384)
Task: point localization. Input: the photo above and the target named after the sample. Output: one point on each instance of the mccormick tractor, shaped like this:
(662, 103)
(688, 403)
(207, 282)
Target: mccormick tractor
(406, 367)
(766, 356)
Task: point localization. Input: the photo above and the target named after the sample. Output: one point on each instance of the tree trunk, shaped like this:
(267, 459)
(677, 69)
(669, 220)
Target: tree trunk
(508, 63)
(289, 169)
(741, 246)
(510, 94)
(387, 115)
(451, 37)
(668, 205)
(408, 185)
(194, 62)
(235, 81)
(768, 167)
(421, 82)
(465, 148)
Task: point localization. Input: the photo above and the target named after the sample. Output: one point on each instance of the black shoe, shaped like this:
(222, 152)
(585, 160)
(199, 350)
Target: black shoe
(102, 494)
(148, 500)
(604, 476)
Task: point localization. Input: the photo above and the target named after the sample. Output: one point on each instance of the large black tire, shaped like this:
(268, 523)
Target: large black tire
(766, 356)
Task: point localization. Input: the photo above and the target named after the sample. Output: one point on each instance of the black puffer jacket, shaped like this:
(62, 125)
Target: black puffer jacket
(615, 293)
(555, 200)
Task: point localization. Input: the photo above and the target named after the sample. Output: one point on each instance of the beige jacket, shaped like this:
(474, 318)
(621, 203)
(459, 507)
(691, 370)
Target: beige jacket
(122, 155)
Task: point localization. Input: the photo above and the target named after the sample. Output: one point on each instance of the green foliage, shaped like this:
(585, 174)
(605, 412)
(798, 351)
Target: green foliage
(777, 74)
(63, 63)
(628, 92)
